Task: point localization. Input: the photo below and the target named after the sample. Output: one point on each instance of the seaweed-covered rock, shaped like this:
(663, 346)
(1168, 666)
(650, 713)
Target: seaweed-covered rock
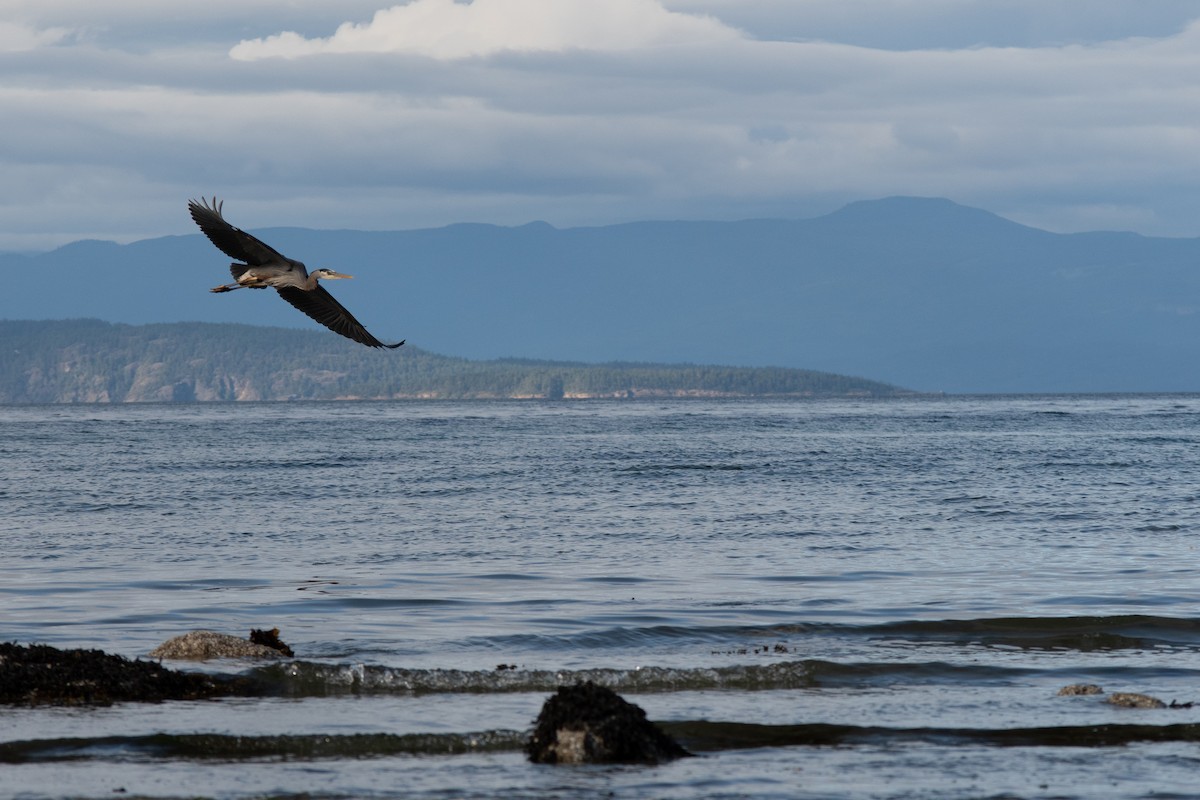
(1076, 689)
(590, 724)
(43, 675)
(271, 639)
(207, 645)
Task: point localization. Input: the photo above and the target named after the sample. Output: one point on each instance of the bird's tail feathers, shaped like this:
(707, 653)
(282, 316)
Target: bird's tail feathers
(238, 270)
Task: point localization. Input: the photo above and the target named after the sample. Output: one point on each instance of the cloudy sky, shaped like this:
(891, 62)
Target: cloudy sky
(1064, 114)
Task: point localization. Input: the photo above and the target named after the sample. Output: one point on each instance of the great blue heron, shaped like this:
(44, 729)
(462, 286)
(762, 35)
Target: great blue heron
(264, 266)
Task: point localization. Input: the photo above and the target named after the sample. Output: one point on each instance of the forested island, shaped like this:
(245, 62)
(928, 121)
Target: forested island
(90, 361)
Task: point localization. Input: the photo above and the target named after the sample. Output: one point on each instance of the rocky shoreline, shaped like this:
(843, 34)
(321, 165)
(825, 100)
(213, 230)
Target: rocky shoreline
(579, 723)
(584, 723)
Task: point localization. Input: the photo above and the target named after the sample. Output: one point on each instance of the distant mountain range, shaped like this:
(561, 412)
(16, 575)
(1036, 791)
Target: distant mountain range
(915, 292)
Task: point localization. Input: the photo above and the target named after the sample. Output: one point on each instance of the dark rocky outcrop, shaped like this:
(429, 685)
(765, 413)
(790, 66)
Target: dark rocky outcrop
(590, 724)
(271, 639)
(43, 675)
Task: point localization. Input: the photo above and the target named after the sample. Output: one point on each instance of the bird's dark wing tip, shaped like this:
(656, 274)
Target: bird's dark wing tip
(394, 346)
(214, 207)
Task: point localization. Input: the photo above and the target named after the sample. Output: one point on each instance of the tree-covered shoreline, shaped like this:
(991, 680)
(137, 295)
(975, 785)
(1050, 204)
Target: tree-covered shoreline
(90, 361)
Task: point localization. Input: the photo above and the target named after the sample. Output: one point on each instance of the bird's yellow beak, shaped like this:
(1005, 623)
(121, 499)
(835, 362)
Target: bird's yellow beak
(331, 275)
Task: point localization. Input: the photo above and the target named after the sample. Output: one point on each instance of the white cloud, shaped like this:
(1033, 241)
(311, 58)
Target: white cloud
(16, 37)
(579, 121)
(446, 29)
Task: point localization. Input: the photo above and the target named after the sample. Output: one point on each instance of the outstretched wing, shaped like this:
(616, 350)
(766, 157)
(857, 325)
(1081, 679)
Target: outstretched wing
(233, 242)
(321, 306)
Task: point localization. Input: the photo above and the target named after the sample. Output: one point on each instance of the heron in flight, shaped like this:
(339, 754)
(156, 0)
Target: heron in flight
(263, 266)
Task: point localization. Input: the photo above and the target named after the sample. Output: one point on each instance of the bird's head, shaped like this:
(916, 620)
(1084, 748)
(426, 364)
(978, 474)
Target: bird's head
(330, 275)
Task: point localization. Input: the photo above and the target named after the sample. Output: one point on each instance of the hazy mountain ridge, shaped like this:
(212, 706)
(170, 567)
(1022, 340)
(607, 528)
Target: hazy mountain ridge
(89, 361)
(916, 292)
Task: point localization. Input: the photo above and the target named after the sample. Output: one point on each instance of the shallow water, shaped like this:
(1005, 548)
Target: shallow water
(853, 598)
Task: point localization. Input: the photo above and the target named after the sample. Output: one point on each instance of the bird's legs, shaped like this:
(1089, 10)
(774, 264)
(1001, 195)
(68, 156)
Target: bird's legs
(229, 287)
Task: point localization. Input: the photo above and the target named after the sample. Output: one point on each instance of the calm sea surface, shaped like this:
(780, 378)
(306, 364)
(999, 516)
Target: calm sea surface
(825, 599)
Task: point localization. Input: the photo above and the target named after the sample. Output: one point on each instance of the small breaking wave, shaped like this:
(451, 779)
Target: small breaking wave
(1079, 633)
(311, 679)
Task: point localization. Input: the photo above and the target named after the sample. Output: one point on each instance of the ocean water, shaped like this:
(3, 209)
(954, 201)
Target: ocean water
(822, 599)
